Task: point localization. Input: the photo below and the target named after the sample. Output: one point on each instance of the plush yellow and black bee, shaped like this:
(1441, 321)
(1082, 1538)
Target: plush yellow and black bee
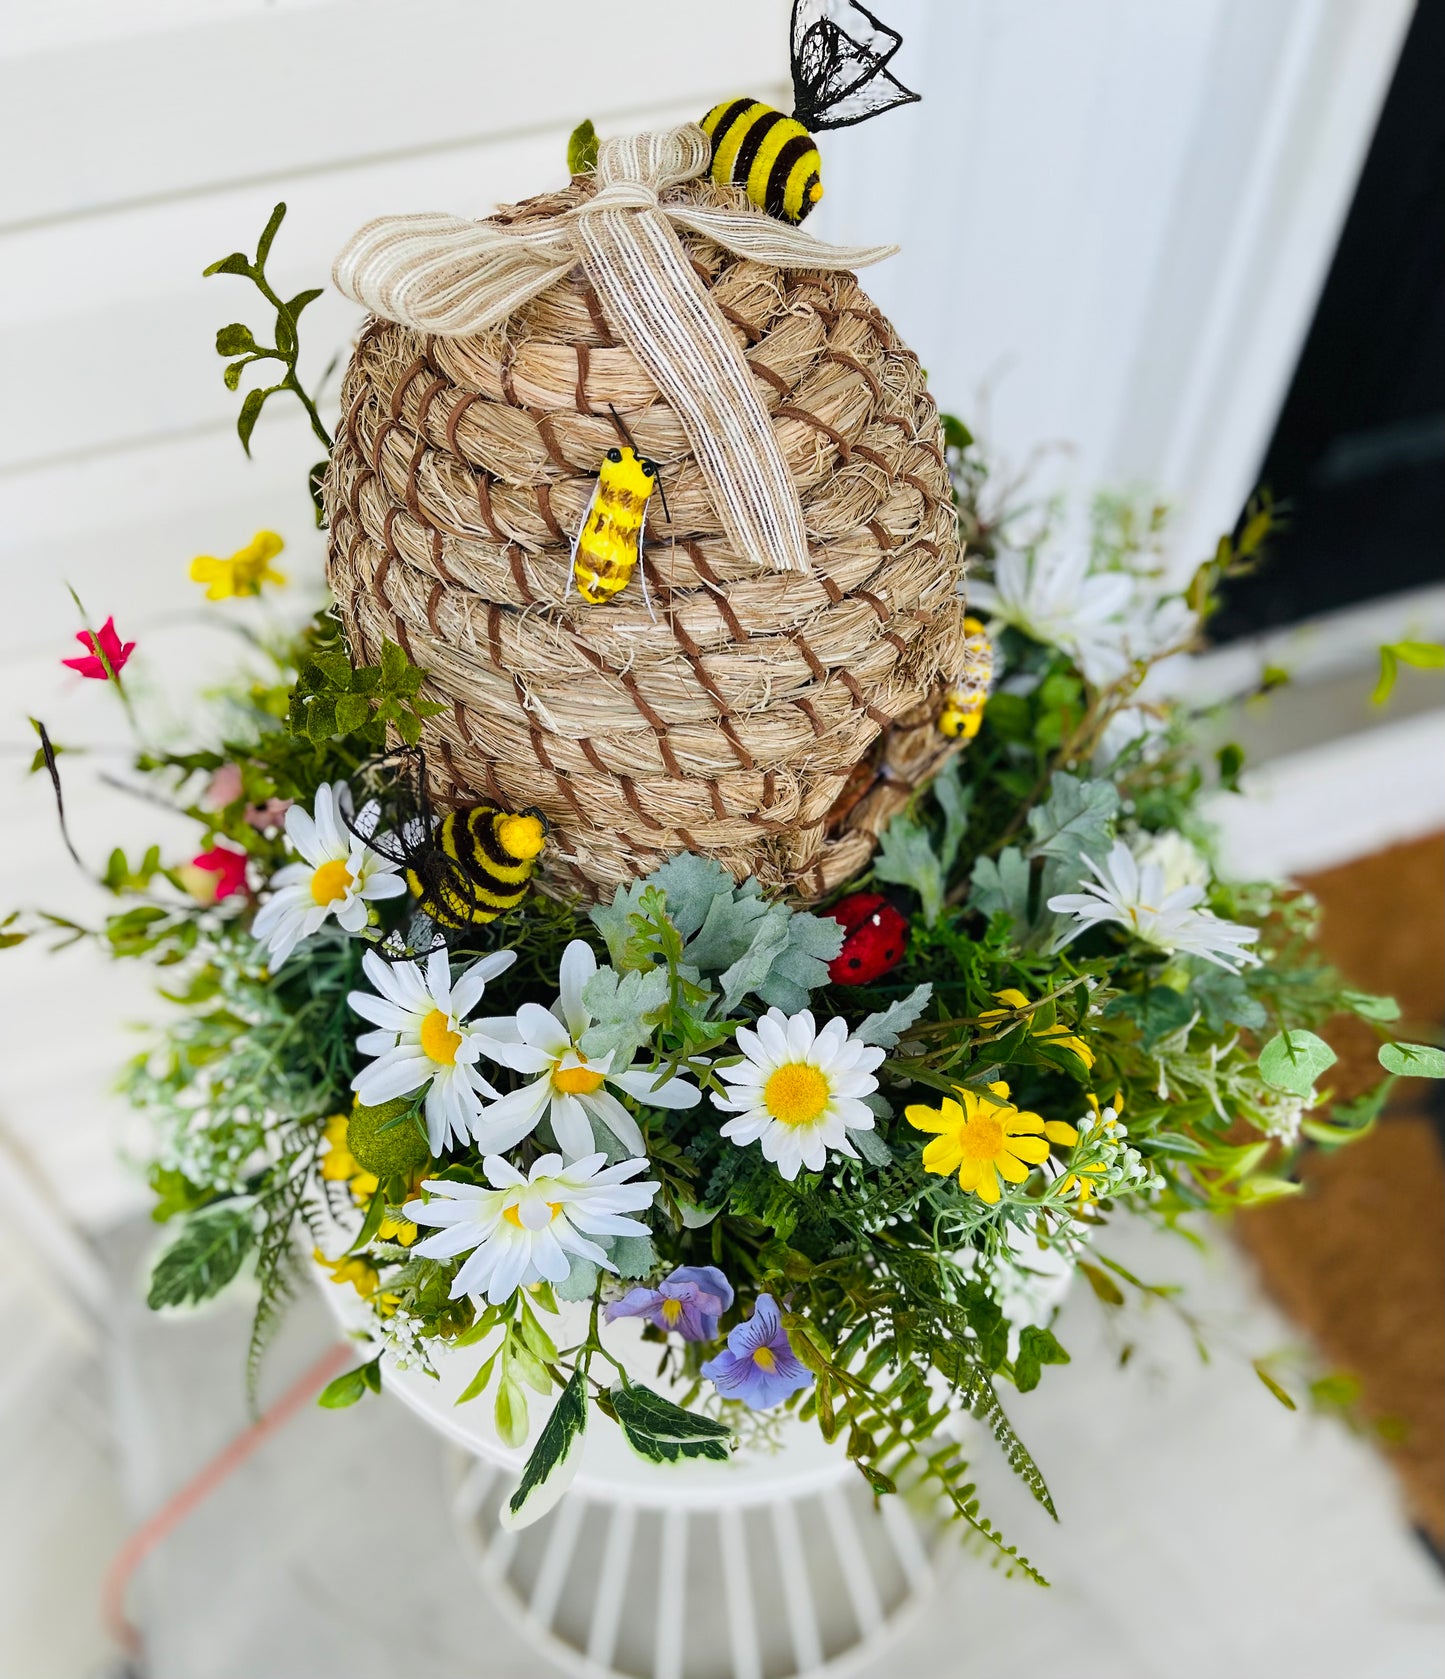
(609, 541)
(840, 76)
(608, 544)
(962, 713)
(464, 869)
(476, 865)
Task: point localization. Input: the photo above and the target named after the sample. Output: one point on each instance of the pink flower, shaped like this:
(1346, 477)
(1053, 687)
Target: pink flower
(229, 868)
(224, 787)
(269, 815)
(107, 643)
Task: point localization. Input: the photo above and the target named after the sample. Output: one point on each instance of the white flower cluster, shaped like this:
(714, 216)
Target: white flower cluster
(1106, 621)
(796, 1090)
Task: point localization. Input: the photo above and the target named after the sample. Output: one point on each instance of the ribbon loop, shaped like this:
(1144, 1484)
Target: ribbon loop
(443, 275)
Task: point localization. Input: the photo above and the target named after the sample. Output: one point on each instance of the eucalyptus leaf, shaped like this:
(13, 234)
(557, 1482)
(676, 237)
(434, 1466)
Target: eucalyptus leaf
(1413, 1061)
(1294, 1060)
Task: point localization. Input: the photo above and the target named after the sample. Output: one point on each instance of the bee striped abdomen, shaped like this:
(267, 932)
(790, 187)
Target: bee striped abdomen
(479, 865)
(771, 156)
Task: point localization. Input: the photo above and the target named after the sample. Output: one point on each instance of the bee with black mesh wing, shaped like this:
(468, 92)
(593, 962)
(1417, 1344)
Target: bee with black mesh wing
(464, 868)
(840, 77)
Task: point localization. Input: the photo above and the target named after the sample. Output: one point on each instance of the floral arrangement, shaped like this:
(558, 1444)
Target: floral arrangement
(831, 1157)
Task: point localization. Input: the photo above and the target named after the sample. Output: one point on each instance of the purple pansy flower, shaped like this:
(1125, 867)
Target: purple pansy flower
(690, 1301)
(759, 1366)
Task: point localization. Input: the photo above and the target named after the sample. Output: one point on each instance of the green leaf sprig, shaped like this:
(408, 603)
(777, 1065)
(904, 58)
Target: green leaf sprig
(238, 341)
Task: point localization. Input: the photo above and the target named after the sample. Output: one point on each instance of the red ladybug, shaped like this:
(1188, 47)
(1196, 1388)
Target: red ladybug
(875, 938)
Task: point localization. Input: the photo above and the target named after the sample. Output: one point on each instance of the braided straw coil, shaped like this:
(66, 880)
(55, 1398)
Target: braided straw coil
(757, 702)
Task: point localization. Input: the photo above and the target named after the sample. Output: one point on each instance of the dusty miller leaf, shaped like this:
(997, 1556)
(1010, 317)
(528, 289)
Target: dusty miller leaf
(692, 884)
(813, 942)
(620, 1005)
(906, 858)
(614, 920)
(728, 931)
(886, 1026)
(1001, 886)
(1075, 821)
(954, 800)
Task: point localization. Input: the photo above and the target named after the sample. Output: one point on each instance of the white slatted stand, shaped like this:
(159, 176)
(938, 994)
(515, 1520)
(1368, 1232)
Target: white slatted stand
(758, 1587)
(775, 1564)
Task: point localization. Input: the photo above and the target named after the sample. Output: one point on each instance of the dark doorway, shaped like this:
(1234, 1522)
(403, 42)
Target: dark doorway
(1358, 454)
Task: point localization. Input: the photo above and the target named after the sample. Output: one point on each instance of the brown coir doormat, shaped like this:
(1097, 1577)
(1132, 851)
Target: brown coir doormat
(1359, 1260)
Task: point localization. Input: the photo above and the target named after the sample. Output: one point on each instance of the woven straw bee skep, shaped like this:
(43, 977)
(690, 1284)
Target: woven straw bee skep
(731, 724)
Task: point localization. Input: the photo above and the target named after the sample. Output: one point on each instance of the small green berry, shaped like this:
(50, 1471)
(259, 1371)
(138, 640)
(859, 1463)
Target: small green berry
(397, 1151)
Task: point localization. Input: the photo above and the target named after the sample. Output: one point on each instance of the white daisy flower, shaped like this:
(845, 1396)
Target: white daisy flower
(571, 1089)
(1104, 620)
(1135, 895)
(1052, 598)
(799, 1091)
(1179, 860)
(523, 1229)
(340, 876)
(424, 1038)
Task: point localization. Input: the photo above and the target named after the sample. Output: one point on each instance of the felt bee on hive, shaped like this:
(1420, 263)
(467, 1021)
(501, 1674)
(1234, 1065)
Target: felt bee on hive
(963, 703)
(470, 866)
(840, 77)
(609, 540)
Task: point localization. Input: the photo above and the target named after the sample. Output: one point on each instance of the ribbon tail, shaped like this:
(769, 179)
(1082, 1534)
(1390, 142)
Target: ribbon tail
(661, 310)
(448, 276)
(765, 239)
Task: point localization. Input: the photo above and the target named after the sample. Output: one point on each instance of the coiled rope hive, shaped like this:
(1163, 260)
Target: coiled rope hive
(757, 702)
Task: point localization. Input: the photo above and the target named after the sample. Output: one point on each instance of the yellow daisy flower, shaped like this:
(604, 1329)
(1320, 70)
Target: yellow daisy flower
(244, 572)
(1059, 1036)
(357, 1269)
(353, 1268)
(985, 1138)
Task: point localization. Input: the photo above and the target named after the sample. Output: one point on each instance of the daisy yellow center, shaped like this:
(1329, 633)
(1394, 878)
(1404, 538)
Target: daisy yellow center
(576, 1081)
(796, 1094)
(331, 881)
(438, 1040)
(514, 1217)
(981, 1138)
(765, 1358)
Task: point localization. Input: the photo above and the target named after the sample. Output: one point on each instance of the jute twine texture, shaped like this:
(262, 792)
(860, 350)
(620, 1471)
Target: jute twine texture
(731, 725)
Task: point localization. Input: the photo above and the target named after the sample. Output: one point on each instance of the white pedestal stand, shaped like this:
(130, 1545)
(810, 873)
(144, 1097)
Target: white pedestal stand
(777, 1562)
